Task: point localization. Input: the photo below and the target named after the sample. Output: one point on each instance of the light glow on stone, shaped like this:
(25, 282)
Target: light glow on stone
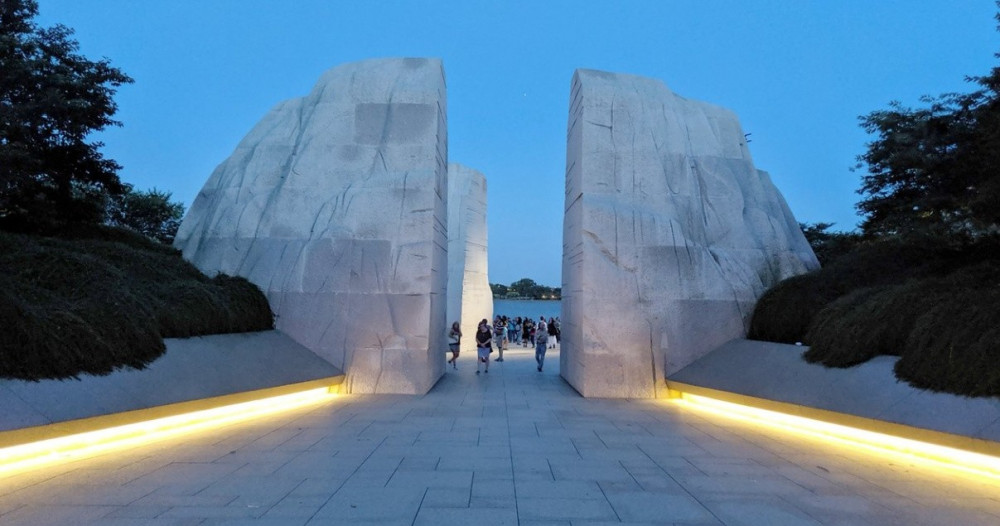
(23, 457)
(917, 452)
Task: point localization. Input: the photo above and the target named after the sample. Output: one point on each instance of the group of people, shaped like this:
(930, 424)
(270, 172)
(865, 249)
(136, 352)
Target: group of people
(541, 335)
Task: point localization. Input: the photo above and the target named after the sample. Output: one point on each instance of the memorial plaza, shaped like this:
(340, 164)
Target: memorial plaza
(513, 446)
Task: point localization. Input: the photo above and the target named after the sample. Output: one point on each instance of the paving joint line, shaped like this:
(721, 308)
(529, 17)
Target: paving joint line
(510, 449)
(334, 492)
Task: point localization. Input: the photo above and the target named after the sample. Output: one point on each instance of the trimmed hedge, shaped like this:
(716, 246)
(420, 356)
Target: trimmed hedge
(840, 332)
(936, 307)
(785, 312)
(872, 321)
(954, 345)
(107, 300)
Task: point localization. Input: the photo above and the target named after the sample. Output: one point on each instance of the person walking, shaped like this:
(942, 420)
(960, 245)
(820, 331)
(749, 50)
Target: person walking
(454, 339)
(500, 335)
(541, 343)
(484, 341)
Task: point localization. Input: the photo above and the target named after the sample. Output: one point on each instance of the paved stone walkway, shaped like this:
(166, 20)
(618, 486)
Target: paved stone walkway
(512, 447)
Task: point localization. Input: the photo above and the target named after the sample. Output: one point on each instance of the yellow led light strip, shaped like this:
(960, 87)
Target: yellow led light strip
(930, 455)
(22, 457)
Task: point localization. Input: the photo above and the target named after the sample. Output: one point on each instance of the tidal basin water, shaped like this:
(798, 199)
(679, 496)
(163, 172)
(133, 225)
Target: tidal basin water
(527, 308)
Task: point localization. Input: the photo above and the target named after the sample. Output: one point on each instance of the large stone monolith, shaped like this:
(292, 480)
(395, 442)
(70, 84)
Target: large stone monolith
(469, 296)
(670, 234)
(335, 205)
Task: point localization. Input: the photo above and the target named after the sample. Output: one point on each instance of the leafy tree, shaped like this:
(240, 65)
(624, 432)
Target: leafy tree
(51, 100)
(828, 246)
(525, 287)
(932, 170)
(498, 290)
(148, 212)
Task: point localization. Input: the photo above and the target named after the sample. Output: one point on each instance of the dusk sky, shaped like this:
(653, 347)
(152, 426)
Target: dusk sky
(797, 73)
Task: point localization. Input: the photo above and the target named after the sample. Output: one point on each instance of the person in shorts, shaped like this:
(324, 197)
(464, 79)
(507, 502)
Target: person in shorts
(500, 336)
(484, 345)
(454, 339)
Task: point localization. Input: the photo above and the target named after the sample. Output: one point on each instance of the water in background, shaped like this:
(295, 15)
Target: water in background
(527, 308)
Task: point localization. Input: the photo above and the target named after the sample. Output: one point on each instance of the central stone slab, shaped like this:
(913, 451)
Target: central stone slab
(469, 296)
(335, 204)
(670, 234)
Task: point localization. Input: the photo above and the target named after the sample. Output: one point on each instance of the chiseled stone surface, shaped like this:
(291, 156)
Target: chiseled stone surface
(469, 296)
(335, 205)
(670, 234)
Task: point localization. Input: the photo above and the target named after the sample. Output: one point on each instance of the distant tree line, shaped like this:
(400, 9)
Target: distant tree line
(526, 288)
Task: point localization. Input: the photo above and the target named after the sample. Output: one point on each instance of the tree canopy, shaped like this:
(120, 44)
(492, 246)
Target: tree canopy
(933, 170)
(149, 212)
(828, 246)
(51, 100)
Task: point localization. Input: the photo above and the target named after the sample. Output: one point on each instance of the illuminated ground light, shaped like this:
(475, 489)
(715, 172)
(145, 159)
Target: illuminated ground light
(23, 457)
(919, 453)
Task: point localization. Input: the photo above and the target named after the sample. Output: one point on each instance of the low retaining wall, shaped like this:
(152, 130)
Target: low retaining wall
(191, 369)
(774, 376)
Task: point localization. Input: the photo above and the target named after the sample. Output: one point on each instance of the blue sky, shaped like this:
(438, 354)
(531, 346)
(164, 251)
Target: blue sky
(797, 73)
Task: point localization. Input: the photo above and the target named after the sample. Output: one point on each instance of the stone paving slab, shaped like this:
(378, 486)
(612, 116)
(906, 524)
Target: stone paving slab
(516, 447)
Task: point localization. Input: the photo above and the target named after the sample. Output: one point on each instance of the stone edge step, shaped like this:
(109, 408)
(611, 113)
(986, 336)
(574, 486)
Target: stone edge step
(962, 442)
(773, 376)
(72, 427)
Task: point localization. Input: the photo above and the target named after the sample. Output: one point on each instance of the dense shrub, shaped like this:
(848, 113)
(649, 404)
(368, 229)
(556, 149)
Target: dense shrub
(870, 322)
(838, 332)
(106, 301)
(124, 236)
(954, 346)
(785, 313)
(936, 306)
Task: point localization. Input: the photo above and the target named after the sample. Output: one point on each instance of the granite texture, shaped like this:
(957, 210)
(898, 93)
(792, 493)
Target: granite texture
(469, 296)
(670, 236)
(335, 204)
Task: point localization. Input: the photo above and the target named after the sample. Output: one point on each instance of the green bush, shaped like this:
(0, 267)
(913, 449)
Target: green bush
(107, 300)
(785, 313)
(935, 306)
(124, 236)
(954, 346)
(872, 321)
(838, 332)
